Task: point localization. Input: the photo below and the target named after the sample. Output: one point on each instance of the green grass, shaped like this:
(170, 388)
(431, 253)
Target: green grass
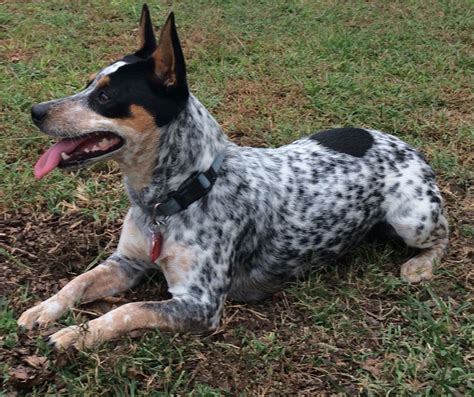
(270, 72)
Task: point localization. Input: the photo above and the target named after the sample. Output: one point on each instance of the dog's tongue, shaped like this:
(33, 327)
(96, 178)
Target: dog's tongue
(52, 157)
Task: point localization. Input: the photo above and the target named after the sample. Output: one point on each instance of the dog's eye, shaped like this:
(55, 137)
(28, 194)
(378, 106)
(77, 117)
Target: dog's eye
(103, 97)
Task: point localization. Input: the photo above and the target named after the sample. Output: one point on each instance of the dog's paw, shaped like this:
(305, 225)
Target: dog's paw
(417, 269)
(42, 314)
(67, 337)
(78, 336)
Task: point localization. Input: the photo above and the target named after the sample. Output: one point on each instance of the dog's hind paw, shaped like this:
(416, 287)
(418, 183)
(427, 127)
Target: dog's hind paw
(42, 314)
(417, 269)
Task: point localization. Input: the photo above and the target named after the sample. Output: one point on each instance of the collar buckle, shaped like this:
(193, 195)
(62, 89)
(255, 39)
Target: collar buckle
(158, 220)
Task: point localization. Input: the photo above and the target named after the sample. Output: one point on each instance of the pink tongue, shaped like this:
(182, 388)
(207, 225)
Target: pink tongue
(52, 157)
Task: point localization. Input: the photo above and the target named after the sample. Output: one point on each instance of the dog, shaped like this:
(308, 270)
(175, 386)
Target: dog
(221, 221)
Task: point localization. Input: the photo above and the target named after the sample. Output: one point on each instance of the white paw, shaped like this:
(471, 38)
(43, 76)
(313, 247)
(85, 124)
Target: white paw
(417, 270)
(42, 314)
(67, 337)
(79, 336)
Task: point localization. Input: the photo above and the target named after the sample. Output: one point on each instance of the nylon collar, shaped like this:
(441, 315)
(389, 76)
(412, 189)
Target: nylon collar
(191, 190)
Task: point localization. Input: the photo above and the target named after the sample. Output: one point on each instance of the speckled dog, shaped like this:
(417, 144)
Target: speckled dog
(221, 221)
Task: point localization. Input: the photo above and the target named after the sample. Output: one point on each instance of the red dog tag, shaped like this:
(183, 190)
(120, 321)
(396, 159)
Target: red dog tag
(156, 242)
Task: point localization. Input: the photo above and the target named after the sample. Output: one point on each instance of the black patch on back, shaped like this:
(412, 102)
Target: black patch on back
(349, 140)
(137, 84)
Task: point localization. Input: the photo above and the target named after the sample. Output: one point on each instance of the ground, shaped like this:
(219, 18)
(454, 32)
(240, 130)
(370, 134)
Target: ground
(270, 72)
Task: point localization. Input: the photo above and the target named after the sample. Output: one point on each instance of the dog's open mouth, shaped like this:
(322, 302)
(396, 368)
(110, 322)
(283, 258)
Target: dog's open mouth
(73, 152)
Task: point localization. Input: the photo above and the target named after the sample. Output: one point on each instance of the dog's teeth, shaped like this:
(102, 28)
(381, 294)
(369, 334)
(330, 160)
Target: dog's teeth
(102, 145)
(65, 156)
(87, 150)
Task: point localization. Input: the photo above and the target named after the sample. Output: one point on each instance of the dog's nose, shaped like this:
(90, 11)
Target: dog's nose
(39, 112)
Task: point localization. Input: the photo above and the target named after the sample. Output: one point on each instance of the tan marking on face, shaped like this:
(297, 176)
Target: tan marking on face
(138, 160)
(176, 262)
(140, 120)
(103, 82)
(133, 243)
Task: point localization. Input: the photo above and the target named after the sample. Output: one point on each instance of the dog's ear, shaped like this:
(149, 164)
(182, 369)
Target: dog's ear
(147, 36)
(168, 56)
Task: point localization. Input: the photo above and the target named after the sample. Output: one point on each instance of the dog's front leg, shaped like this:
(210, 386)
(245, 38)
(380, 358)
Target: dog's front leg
(118, 273)
(177, 314)
(105, 280)
(196, 305)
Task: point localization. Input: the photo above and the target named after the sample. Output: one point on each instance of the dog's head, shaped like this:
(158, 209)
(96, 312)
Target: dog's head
(123, 106)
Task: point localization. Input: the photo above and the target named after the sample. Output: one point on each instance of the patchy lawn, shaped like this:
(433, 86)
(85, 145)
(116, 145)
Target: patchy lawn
(270, 72)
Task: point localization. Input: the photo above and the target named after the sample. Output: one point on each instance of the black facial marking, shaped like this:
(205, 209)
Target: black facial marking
(136, 84)
(353, 141)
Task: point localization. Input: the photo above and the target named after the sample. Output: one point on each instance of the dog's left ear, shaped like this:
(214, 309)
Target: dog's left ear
(168, 56)
(147, 36)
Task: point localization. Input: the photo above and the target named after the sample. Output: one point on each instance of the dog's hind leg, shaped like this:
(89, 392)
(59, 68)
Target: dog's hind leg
(421, 224)
(118, 273)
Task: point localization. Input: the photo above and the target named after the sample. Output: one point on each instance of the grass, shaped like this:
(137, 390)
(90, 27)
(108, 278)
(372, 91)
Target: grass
(270, 72)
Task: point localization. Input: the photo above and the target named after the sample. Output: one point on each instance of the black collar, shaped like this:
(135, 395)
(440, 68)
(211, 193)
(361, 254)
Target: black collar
(191, 190)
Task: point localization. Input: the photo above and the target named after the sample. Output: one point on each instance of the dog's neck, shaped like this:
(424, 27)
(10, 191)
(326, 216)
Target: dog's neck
(188, 144)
